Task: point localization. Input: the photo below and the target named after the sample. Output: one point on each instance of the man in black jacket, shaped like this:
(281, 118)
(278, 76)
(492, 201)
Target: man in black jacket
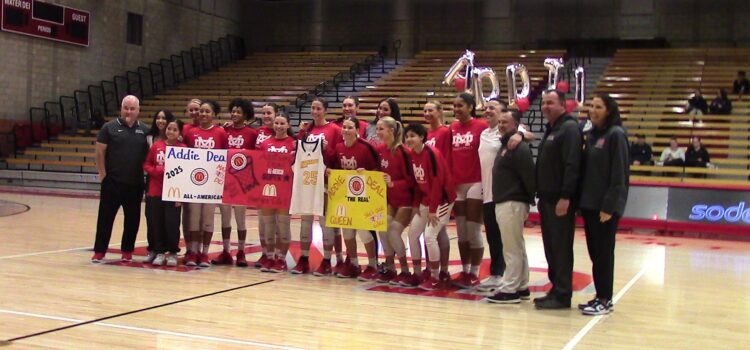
(640, 151)
(513, 190)
(558, 170)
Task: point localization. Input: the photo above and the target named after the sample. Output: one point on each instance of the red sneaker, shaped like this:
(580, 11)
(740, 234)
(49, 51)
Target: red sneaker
(223, 259)
(472, 280)
(386, 276)
(462, 281)
(302, 267)
(190, 259)
(241, 261)
(97, 258)
(267, 265)
(127, 256)
(203, 260)
(279, 266)
(369, 274)
(445, 279)
(430, 284)
(261, 260)
(396, 281)
(340, 265)
(412, 281)
(324, 269)
(349, 271)
(426, 274)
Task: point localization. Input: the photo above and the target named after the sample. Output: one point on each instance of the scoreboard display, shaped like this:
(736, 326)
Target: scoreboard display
(45, 20)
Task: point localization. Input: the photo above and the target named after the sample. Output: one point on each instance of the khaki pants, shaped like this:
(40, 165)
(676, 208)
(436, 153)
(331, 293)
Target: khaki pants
(510, 218)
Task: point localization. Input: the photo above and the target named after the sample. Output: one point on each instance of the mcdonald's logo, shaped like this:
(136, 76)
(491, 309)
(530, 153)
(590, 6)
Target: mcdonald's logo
(269, 190)
(341, 210)
(174, 192)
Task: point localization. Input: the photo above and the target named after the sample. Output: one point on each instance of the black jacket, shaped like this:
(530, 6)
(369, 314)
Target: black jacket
(699, 103)
(513, 174)
(721, 106)
(558, 165)
(741, 86)
(607, 172)
(641, 153)
(697, 158)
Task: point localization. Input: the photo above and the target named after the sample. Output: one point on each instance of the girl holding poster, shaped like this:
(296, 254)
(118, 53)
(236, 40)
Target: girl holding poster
(239, 136)
(265, 132)
(276, 221)
(205, 136)
(356, 154)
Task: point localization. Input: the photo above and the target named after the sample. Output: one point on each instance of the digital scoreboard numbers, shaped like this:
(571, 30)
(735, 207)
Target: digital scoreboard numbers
(45, 20)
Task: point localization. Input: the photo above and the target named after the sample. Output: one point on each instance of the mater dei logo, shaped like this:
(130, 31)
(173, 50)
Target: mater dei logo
(269, 190)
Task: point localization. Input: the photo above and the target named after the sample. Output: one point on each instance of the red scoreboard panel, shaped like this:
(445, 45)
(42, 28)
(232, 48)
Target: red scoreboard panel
(45, 20)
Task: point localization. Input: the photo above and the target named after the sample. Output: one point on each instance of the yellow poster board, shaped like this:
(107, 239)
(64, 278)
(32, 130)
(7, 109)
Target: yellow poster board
(357, 200)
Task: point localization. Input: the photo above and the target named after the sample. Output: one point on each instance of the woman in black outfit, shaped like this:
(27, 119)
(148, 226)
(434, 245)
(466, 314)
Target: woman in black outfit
(606, 177)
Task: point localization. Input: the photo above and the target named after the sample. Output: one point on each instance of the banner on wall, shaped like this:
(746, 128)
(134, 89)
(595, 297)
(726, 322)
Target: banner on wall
(357, 200)
(194, 175)
(258, 179)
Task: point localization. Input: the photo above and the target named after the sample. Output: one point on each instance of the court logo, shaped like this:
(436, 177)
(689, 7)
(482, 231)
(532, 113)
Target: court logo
(356, 186)
(238, 161)
(199, 176)
(269, 190)
(174, 192)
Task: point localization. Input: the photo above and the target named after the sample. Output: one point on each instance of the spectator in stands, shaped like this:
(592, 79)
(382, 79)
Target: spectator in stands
(121, 149)
(721, 104)
(673, 155)
(697, 155)
(640, 151)
(741, 85)
(697, 105)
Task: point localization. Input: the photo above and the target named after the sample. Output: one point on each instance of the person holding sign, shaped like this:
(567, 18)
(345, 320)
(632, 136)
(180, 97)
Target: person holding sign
(276, 222)
(205, 136)
(265, 132)
(239, 136)
(164, 217)
(330, 135)
(435, 194)
(192, 111)
(355, 154)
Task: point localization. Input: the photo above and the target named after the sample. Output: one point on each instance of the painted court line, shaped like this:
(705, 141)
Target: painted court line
(587, 328)
(156, 331)
(55, 251)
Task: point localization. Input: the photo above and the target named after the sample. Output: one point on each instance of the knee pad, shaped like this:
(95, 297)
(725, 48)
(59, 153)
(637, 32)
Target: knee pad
(433, 248)
(475, 235)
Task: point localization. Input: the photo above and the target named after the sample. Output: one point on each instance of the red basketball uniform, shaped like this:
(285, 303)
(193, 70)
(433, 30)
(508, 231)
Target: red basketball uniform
(212, 138)
(331, 133)
(434, 183)
(154, 167)
(241, 138)
(361, 154)
(274, 145)
(397, 164)
(465, 151)
(264, 133)
(442, 141)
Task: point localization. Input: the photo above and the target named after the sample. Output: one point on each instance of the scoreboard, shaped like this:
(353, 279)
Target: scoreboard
(45, 20)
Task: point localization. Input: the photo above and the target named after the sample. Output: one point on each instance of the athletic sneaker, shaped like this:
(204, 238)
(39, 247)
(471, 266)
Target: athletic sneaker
(504, 298)
(223, 259)
(261, 260)
(426, 274)
(491, 284)
(159, 260)
(465, 280)
(302, 267)
(203, 260)
(241, 260)
(172, 260)
(97, 258)
(396, 281)
(524, 294)
(430, 284)
(385, 276)
(348, 271)
(369, 274)
(552, 303)
(412, 281)
(127, 257)
(340, 264)
(190, 259)
(279, 266)
(267, 265)
(445, 279)
(598, 308)
(149, 258)
(588, 303)
(324, 269)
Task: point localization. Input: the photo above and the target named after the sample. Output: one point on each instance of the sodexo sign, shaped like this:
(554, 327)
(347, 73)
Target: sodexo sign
(734, 214)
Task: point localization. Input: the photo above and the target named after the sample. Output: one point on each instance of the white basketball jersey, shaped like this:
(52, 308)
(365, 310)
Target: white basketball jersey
(309, 172)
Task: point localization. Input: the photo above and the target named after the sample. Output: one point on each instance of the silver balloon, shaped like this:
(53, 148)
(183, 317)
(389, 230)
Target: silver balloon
(465, 63)
(511, 71)
(478, 74)
(553, 67)
(580, 92)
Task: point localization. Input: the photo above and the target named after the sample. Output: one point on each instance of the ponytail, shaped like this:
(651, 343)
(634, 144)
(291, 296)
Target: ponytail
(398, 131)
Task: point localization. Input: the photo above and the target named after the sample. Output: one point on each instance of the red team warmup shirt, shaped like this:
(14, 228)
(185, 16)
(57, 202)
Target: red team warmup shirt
(465, 151)
(154, 167)
(212, 138)
(241, 138)
(434, 183)
(362, 126)
(186, 128)
(274, 145)
(331, 133)
(264, 133)
(360, 155)
(397, 164)
(442, 141)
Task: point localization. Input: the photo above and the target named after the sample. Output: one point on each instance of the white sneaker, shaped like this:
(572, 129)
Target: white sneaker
(172, 260)
(491, 284)
(159, 260)
(150, 258)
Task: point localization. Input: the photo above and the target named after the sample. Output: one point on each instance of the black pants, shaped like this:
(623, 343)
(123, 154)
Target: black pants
(600, 239)
(164, 225)
(149, 234)
(113, 196)
(494, 240)
(557, 235)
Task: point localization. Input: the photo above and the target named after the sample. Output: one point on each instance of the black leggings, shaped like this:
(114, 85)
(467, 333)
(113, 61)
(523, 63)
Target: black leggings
(600, 239)
(164, 225)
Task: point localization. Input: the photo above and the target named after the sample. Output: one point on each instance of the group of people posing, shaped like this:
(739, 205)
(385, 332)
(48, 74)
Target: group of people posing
(480, 170)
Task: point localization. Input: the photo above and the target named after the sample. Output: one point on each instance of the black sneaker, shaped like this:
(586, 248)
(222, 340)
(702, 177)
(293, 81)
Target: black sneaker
(524, 294)
(541, 299)
(552, 304)
(504, 298)
(588, 303)
(598, 308)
